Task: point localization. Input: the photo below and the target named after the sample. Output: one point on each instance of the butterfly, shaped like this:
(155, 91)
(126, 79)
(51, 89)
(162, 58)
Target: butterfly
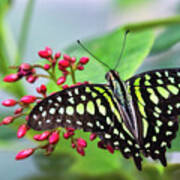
(137, 116)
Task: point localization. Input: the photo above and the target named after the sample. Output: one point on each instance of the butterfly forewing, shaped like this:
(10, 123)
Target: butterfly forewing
(91, 108)
(156, 99)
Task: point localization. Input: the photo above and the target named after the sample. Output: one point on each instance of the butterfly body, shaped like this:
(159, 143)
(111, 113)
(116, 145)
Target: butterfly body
(138, 115)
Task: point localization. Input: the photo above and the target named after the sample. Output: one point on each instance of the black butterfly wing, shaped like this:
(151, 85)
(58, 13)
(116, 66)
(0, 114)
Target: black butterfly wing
(156, 98)
(89, 107)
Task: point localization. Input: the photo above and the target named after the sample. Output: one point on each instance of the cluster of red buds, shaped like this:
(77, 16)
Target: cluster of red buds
(67, 66)
(57, 69)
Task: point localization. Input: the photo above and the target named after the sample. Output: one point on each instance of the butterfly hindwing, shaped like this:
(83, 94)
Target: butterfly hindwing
(156, 99)
(91, 108)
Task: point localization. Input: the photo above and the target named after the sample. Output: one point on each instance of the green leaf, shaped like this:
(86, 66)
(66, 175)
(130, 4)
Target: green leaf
(171, 172)
(166, 39)
(15, 88)
(107, 48)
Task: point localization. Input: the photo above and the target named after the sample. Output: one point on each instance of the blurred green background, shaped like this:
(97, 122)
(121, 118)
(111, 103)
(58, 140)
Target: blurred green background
(26, 26)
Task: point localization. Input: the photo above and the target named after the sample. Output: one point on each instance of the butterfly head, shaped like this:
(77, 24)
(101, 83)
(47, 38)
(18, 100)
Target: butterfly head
(112, 77)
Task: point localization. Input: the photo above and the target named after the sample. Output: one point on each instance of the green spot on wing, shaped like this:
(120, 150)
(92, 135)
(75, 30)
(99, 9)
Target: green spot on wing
(163, 92)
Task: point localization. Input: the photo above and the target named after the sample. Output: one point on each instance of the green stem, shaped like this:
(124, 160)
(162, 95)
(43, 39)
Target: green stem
(73, 75)
(51, 75)
(43, 76)
(24, 30)
(153, 23)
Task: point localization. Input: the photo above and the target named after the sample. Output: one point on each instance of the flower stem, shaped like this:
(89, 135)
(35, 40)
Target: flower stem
(73, 75)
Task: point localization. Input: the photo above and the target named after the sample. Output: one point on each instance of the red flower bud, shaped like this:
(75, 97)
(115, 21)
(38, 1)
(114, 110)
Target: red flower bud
(66, 57)
(43, 136)
(22, 131)
(64, 63)
(73, 145)
(11, 78)
(61, 80)
(65, 86)
(47, 66)
(57, 55)
(25, 66)
(61, 68)
(24, 154)
(70, 129)
(9, 102)
(7, 120)
(45, 53)
(68, 134)
(65, 72)
(93, 136)
(84, 60)
(27, 118)
(86, 82)
(28, 99)
(73, 59)
(80, 150)
(79, 83)
(31, 78)
(54, 137)
(101, 145)
(42, 89)
(48, 50)
(81, 143)
(110, 149)
(79, 67)
(18, 110)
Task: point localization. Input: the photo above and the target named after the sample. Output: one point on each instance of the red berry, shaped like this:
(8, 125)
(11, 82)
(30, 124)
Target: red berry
(64, 63)
(24, 154)
(47, 66)
(80, 67)
(7, 120)
(54, 137)
(22, 131)
(9, 102)
(81, 143)
(84, 60)
(11, 78)
(57, 55)
(61, 80)
(28, 99)
(93, 136)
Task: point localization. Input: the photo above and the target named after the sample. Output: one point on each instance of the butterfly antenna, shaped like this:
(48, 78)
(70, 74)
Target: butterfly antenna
(122, 50)
(95, 57)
